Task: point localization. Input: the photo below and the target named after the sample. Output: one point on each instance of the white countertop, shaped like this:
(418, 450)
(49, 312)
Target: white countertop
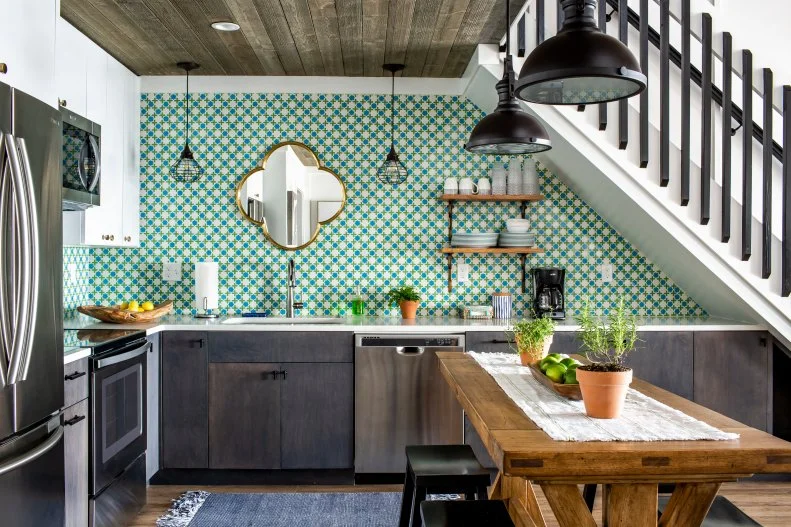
(379, 325)
(74, 354)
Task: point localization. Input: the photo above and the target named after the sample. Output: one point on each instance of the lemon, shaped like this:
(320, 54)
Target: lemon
(133, 305)
(556, 372)
(147, 306)
(124, 305)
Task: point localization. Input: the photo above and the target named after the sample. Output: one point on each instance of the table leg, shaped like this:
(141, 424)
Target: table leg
(521, 500)
(689, 504)
(629, 504)
(567, 504)
(495, 491)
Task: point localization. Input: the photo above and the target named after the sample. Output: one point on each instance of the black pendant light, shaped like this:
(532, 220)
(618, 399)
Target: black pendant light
(186, 169)
(509, 130)
(580, 65)
(392, 171)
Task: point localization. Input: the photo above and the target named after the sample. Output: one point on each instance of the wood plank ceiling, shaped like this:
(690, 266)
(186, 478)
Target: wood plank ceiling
(434, 38)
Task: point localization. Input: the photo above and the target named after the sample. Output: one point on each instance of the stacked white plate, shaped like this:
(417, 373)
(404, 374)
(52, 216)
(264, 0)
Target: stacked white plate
(477, 240)
(517, 225)
(517, 239)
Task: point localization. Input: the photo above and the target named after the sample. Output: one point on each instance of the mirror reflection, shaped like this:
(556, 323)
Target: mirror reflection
(291, 195)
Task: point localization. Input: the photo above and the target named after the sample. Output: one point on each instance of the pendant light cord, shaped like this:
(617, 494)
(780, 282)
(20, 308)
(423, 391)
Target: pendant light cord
(187, 133)
(392, 110)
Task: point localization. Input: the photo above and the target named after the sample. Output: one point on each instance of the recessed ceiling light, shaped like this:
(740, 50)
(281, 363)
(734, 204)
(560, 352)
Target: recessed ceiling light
(225, 26)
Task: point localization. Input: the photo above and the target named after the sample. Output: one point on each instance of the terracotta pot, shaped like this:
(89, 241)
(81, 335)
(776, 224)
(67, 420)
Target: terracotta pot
(409, 308)
(604, 392)
(534, 355)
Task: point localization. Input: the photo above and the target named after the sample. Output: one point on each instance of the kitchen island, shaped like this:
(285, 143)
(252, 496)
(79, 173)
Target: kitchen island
(630, 472)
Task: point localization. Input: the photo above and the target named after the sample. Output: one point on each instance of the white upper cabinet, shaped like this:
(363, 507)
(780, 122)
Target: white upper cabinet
(27, 46)
(71, 67)
(96, 84)
(131, 183)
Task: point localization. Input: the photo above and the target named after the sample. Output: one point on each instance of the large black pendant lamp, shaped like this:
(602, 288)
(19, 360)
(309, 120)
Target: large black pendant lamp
(186, 169)
(580, 65)
(392, 171)
(509, 130)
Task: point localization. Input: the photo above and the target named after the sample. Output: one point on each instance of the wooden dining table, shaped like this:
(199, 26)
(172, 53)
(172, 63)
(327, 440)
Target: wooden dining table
(629, 472)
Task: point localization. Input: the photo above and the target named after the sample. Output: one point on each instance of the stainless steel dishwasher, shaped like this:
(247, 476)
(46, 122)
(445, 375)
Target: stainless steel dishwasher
(401, 399)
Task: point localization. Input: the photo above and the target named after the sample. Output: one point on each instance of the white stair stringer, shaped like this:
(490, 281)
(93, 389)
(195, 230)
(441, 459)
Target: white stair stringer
(650, 217)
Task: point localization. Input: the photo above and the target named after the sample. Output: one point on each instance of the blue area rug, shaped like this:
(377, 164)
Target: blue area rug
(331, 509)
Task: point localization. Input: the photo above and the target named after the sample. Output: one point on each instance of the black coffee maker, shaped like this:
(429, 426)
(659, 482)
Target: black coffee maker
(548, 297)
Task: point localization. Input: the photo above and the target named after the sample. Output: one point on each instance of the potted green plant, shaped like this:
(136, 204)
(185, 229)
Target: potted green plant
(605, 381)
(533, 338)
(406, 298)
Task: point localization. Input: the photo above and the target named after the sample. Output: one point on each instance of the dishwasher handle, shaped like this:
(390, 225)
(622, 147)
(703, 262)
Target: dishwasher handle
(410, 350)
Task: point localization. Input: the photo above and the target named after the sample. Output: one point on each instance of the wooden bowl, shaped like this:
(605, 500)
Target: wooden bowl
(115, 315)
(569, 391)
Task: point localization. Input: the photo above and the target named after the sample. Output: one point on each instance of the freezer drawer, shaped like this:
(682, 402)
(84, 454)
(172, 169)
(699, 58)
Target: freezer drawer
(401, 399)
(31, 477)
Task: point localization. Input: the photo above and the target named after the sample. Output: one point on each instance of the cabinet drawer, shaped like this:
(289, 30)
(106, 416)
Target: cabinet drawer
(502, 342)
(75, 382)
(75, 442)
(281, 346)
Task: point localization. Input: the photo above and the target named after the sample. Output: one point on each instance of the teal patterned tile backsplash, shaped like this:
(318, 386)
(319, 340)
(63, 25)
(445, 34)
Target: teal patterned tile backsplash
(79, 291)
(386, 236)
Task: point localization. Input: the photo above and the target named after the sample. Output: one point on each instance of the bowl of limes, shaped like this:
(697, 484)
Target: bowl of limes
(128, 312)
(558, 372)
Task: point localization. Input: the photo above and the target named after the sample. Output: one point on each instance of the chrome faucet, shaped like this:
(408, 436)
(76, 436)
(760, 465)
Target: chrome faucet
(291, 305)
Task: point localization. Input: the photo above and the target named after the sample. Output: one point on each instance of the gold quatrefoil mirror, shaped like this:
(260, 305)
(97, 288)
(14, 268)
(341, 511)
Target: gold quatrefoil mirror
(291, 195)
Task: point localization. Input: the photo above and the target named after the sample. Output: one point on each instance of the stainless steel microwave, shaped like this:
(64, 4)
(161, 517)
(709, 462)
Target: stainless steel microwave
(81, 161)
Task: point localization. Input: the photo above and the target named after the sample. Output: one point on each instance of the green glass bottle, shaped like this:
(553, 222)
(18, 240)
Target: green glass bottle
(358, 304)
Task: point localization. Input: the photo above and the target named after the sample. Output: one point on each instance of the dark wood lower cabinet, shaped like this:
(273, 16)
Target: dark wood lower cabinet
(665, 359)
(244, 415)
(317, 416)
(75, 444)
(732, 375)
(185, 400)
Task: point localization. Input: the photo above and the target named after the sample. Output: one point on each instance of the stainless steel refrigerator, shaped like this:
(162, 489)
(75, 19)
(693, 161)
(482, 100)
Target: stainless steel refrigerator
(31, 325)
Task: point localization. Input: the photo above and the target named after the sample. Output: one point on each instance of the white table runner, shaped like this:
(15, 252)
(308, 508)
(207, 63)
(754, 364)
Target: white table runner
(643, 418)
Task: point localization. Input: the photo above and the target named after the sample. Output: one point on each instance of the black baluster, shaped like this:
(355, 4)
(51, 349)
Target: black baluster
(747, 153)
(540, 31)
(686, 69)
(603, 28)
(727, 116)
(559, 10)
(705, 143)
(623, 104)
(664, 93)
(521, 37)
(644, 95)
(766, 246)
(786, 257)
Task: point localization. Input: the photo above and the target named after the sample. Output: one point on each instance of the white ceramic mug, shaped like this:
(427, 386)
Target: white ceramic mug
(467, 186)
(484, 186)
(451, 185)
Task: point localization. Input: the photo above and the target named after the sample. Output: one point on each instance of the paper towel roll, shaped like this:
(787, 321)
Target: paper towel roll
(207, 284)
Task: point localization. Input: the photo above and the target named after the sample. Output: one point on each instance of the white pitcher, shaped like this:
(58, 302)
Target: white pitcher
(467, 186)
(451, 185)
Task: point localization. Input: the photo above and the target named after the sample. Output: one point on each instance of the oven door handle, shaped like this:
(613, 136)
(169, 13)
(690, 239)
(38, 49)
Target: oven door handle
(34, 454)
(115, 359)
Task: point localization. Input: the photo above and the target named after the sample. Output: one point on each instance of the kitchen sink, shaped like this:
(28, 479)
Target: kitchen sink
(283, 320)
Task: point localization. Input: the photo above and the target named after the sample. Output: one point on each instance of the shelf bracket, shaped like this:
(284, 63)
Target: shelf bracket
(523, 209)
(523, 260)
(450, 272)
(450, 220)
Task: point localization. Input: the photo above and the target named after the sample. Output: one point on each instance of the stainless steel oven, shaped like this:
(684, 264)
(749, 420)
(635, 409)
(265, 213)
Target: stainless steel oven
(81, 161)
(118, 429)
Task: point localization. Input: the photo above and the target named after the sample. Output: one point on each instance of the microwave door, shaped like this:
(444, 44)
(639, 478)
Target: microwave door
(95, 164)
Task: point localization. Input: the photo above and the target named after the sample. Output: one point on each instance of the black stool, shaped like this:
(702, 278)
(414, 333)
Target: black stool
(465, 513)
(440, 469)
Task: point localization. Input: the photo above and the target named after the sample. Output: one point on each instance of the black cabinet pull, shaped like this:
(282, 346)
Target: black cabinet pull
(274, 374)
(284, 372)
(499, 341)
(200, 342)
(75, 375)
(74, 420)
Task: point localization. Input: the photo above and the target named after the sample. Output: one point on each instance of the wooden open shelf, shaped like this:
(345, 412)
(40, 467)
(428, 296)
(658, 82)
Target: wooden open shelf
(491, 250)
(492, 197)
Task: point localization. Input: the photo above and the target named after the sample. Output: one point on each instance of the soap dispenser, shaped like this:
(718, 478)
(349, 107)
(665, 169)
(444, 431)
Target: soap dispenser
(358, 304)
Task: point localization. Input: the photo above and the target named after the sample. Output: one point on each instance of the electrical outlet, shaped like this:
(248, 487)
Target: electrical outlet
(72, 272)
(171, 271)
(606, 272)
(462, 272)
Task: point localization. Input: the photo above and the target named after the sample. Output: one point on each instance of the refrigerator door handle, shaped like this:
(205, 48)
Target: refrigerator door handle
(22, 251)
(32, 244)
(32, 455)
(5, 320)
